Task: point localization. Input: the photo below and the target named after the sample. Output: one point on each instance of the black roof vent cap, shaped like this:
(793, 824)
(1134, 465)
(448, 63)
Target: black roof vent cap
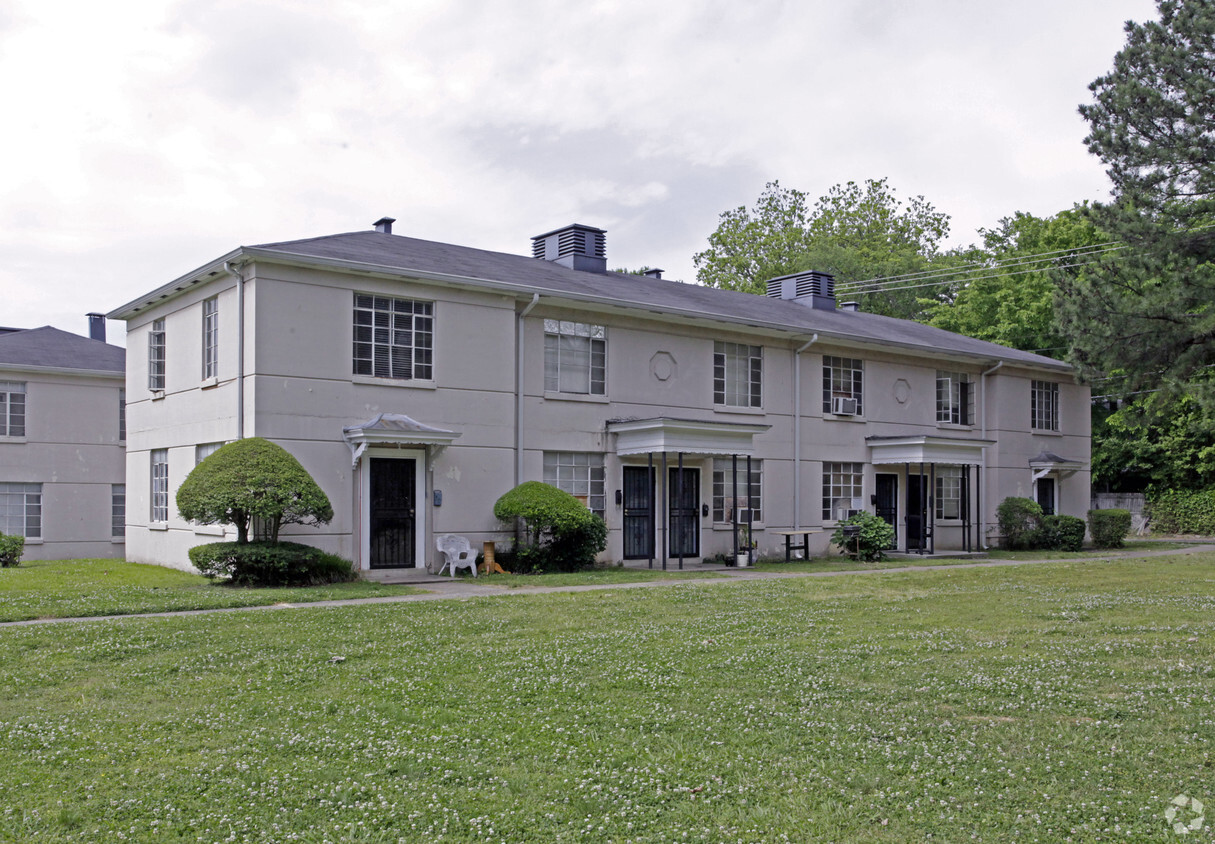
(384, 224)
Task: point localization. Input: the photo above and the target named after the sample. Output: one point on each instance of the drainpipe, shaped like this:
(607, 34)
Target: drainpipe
(519, 387)
(234, 271)
(797, 434)
(983, 473)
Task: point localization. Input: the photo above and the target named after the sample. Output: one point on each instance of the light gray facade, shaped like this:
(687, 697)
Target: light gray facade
(472, 371)
(61, 444)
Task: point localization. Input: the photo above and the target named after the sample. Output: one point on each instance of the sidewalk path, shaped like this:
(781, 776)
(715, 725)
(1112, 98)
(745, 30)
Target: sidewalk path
(464, 589)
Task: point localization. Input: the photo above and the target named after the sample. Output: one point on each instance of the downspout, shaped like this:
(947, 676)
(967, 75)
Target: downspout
(983, 474)
(519, 387)
(797, 434)
(234, 271)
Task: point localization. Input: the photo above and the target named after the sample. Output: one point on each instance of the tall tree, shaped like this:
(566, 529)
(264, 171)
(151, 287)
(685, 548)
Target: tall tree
(855, 231)
(1147, 312)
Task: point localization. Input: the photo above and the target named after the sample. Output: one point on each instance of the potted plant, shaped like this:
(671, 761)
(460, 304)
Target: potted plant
(746, 545)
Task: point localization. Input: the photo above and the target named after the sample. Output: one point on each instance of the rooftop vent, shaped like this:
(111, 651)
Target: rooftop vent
(96, 327)
(384, 224)
(652, 272)
(575, 246)
(850, 306)
(813, 289)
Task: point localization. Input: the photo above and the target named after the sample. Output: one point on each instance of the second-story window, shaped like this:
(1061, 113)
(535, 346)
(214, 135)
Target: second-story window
(210, 337)
(955, 398)
(738, 374)
(12, 409)
(393, 338)
(843, 382)
(1044, 406)
(575, 358)
(156, 356)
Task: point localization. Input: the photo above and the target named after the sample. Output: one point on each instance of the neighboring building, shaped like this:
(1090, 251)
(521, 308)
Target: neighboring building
(419, 381)
(62, 451)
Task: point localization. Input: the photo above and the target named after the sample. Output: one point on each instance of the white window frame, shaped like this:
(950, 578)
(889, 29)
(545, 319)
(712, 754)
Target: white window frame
(210, 338)
(581, 474)
(204, 450)
(1044, 405)
(843, 378)
(393, 337)
(575, 358)
(12, 408)
(738, 374)
(955, 403)
(159, 486)
(118, 511)
(843, 490)
(948, 492)
(724, 507)
(21, 510)
(156, 356)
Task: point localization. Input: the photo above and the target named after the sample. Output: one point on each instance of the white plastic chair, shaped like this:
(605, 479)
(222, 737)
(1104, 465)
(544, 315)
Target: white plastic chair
(457, 553)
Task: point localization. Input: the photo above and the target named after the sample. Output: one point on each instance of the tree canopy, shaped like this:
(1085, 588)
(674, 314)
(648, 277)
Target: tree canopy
(252, 478)
(1146, 313)
(855, 232)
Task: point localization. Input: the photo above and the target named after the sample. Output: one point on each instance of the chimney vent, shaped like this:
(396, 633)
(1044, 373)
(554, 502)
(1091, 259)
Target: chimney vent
(652, 272)
(850, 306)
(575, 246)
(96, 327)
(384, 224)
(813, 289)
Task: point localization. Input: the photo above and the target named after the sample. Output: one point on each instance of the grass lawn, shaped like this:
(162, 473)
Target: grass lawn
(76, 588)
(1059, 702)
(593, 577)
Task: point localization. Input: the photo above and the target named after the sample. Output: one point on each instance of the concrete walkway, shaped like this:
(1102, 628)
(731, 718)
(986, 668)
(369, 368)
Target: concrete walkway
(448, 589)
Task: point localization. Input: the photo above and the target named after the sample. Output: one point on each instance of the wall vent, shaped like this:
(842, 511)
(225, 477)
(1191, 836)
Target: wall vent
(814, 289)
(575, 246)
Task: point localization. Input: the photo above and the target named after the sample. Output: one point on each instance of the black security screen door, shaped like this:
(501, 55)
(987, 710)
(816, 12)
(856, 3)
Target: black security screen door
(393, 520)
(887, 505)
(917, 512)
(638, 513)
(684, 501)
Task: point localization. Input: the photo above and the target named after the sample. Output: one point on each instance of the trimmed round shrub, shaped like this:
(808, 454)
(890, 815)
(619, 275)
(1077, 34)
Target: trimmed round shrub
(248, 479)
(1109, 527)
(875, 538)
(1061, 533)
(560, 534)
(1020, 521)
(270, 564)
(11, 549)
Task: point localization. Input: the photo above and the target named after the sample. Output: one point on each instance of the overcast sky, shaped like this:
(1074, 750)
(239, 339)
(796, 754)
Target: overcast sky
(144, 139)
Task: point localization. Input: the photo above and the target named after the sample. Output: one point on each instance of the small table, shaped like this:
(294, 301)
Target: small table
(804, 547)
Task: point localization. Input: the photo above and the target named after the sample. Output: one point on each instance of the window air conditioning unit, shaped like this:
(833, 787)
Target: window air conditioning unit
(843, 407)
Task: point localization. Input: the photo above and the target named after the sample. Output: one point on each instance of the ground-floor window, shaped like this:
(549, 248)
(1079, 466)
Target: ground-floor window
(160, 485)
(841, 490)
(21, 510)
(949, 492)
(580, 473)
(727, 508)
(118, 509)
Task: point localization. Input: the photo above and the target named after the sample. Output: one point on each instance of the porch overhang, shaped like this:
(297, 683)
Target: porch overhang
(684, 436)
(395, 429)
(1048, 462)
(951, 451)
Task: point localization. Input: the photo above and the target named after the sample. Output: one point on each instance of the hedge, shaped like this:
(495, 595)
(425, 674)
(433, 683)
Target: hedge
(11, 549)
(1109, 527)
(562, 534)
(270, 564)
(1062, 533)
(1020, 522)
(876, 536)
(1177, 511)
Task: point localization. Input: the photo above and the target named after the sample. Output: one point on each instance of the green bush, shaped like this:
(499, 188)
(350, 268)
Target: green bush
(1020, 521)
(875, 538)
(1177, 511)
(270, 564)
(11, 549)
(1061, 533)
(252, 479)
(1109, 527)
(560, 533)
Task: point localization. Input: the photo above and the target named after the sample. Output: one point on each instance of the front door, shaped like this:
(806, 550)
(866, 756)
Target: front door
(886, 507)
(1046, 495)
(917, 512)
(638, 506)
(683, 495)
(393, 516)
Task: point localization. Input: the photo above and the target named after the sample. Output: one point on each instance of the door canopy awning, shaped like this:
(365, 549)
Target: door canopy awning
(951, 451)
(683, 436)
(1048, 462)
(395, 429)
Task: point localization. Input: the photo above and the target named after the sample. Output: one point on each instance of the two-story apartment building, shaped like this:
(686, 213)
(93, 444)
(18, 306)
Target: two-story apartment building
(419, 381)
(62, 435)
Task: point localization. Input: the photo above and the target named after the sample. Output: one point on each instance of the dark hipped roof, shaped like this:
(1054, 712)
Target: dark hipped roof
(52, 348)
(379, 252)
